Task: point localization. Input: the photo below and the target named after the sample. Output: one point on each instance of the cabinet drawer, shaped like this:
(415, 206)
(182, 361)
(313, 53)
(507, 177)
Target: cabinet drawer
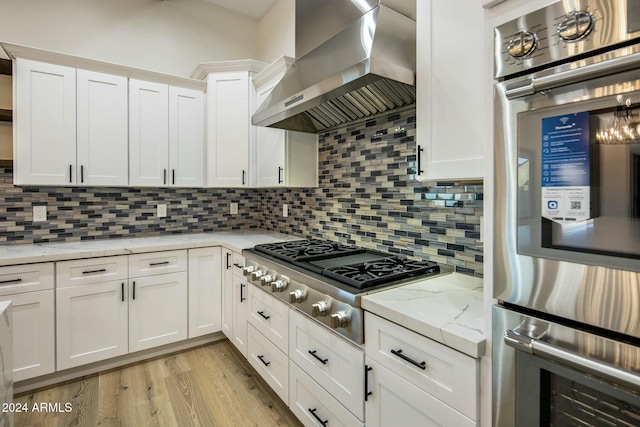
(91, 270)
(447, 374)
(270, 316)
(237, 264)
(313, 405)
(335, 364)
(271, 363)
(153, 263)
(26, 278)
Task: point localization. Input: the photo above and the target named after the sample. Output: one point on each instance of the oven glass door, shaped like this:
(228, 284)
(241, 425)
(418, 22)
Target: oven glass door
(578, 172)
(550, 394)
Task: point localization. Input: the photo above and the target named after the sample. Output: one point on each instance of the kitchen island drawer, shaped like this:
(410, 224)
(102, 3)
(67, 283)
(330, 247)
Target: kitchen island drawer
(329, 359)
(271, 363)
(91, 270)
(446, 374)
(153, 263)
(270, 316)
(26, 278)
(313, 405)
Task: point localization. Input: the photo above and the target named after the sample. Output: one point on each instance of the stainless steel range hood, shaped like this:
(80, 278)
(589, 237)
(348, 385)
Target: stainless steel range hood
(367, 68)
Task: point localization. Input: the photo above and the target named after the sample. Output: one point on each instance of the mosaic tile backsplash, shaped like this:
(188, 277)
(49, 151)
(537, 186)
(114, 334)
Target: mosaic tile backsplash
(367, 195)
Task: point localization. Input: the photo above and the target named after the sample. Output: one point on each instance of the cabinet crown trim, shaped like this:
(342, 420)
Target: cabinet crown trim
(205, 68)
(24, 52)
(279, 65)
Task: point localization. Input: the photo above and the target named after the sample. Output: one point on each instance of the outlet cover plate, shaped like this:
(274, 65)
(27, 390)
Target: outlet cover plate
(162, 211)
(233, 208)
(39, 213)
(285, 210)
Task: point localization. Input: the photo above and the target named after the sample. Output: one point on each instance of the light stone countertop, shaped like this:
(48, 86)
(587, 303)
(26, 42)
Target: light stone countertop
(45, 252)
(447, 309)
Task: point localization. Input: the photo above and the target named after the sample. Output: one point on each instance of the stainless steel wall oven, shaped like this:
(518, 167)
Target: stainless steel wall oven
(566, 338)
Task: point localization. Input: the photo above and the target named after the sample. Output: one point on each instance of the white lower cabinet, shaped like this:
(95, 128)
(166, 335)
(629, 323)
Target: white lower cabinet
(417, 381)
(270, 362)
(330, 360)
(30, 290)
(91, 323)
(394, 401)
(269, 316)
(205, 286)
(234, 300)
(157, 310)
(240, 311)
(313, 405)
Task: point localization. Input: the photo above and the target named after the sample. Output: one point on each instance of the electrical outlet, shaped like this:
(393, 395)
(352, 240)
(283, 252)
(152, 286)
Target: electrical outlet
(39, 213)
(233, 208)
(162, 211)
(285, 210)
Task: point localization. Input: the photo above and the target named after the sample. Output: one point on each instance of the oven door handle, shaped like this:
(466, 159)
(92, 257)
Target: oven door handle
(570, 358)
(591, 71)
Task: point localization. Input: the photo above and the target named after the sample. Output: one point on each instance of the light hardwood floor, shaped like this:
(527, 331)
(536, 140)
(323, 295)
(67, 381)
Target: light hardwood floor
(209, 386)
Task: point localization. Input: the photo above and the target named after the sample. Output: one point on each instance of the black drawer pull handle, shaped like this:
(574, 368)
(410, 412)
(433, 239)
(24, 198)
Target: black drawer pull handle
(82, 173)
(228, 255)
(70, 174)
(238, 265)
(313, 412)
(153, 264)
(280, 174)
(421, 365)
(100, 270)
(122, 289)
(134, 290)
(323, 361)
(261, 313)
(164, 179)
(173, 176)
(419, 168)
(242, 298)
(11, 281)
(367, 393)
(262, 360)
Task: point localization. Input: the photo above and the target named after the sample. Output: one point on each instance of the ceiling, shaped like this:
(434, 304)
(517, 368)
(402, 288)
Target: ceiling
(253, 8)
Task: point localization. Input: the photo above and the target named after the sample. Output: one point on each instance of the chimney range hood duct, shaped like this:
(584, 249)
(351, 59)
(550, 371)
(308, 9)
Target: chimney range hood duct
(365, 69)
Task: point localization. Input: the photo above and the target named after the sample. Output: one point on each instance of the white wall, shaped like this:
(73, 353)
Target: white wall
(171, 36)
(277, 31)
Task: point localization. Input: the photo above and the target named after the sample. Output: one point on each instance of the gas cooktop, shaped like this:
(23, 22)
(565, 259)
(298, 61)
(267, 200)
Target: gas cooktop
(356, 267)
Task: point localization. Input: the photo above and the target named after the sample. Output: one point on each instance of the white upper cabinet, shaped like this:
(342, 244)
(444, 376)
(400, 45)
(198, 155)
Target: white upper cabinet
(102, 124)
(148, 133)
(230, 101)
(283, 158)
(450, 132)
(45, 129)
(186, 137)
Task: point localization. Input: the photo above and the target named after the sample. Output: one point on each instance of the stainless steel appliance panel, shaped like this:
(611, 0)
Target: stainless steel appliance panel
(598, 290)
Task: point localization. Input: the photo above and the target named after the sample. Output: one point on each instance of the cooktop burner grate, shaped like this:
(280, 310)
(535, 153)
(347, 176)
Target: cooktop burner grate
(299, 250)
(366, 274)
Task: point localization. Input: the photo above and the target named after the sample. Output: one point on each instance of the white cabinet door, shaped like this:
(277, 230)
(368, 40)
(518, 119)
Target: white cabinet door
(91, 323)
(227, 294)
(45, 121)
(102, 126)
(270, 146)
(450, 128)
(240, 314)
(157, 310)
(148, 133)
(33, 334)
(229, 105)
(396, 402)
(186, 137)
(205, 280)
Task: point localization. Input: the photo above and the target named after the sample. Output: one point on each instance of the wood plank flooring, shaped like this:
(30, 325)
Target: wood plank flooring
(209, 386)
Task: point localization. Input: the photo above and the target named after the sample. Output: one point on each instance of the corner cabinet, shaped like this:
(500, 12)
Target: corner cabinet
(450, 107)
(283, 158)
(235, 300)
(231, 100)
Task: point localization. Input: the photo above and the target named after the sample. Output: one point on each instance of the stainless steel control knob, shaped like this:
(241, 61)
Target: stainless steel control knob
(296, 296)
(340, 319)
(248, 270)
(278, 285)
(320, 308)
(255, 275)
(266, 279)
